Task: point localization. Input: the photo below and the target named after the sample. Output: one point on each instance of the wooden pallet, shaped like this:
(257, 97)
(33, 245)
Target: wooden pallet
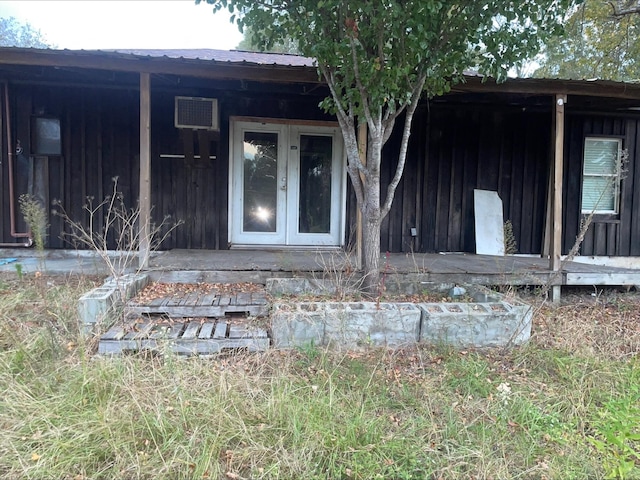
(203, 305)
(195, 336)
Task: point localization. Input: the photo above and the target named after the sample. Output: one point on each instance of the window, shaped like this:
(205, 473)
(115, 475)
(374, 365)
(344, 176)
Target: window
(45, 136)
(601, 175)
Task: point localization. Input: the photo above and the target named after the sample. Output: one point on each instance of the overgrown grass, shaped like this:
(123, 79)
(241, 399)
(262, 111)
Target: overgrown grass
(560, 407)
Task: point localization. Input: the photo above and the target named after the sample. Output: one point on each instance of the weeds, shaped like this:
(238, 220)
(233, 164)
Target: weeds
(564, 406)
(112, 231)
(35, 216)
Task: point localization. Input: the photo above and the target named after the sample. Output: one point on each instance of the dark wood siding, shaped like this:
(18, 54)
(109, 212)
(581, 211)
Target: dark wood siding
(607, 234)
(100, 142)
(456, 149)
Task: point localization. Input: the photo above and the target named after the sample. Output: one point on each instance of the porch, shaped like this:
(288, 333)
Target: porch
(188, 266)
(185, 266)
(256, 265)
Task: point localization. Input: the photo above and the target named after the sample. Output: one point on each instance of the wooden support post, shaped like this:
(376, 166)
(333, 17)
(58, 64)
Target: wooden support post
(145, 171)
(556, 231)
(362, 151)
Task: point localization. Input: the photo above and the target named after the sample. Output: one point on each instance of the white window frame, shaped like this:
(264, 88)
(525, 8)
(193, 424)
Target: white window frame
(615, 177)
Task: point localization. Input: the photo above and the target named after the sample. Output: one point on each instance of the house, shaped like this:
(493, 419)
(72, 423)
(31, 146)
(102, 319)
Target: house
(234, 145)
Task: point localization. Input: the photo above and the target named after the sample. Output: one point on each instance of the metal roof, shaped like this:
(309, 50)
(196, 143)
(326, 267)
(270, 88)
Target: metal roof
(221, 56)
(278, 67)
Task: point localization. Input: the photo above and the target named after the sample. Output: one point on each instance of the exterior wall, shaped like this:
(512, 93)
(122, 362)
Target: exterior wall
(100, 141)
(99, 132)
(617, 235)
(455, 149)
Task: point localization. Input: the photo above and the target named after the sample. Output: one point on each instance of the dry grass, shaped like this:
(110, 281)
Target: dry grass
(543, 411)
(601, 323)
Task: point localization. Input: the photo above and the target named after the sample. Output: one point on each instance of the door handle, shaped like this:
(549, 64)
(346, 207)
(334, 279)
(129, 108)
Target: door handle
(284, 184)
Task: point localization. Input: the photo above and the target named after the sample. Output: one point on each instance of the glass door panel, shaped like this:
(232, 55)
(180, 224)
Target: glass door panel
(260, 184)
(316, 154)
(286, 185)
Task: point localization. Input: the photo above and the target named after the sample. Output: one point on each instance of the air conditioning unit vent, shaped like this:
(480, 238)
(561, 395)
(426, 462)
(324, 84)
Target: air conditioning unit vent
(196, 113)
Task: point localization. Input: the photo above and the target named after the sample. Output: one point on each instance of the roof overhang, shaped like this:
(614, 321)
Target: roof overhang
(260, 67)
(129, 62)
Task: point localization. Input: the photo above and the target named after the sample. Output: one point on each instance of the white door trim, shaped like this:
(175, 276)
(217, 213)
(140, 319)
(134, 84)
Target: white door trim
(286, 233)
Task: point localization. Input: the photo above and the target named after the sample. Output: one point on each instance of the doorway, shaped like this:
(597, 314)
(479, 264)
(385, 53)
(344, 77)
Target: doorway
(287, 184)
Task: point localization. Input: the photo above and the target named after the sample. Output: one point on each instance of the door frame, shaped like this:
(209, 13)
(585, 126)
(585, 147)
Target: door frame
(287, 238)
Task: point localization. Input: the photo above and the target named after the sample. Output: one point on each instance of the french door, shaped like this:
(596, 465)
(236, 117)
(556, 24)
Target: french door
(287, 186)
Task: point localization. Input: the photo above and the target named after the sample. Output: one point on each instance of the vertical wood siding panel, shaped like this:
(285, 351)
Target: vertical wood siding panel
(573, 180)
(442, 199)
(470, 176)
(632, 230)
(612, 237)
(627, 193)
(429, 181)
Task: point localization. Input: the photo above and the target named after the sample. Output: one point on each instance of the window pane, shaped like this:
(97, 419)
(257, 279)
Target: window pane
(260, 152)
(315, 184)
(45, 134)
(600, 156)
(598, 194)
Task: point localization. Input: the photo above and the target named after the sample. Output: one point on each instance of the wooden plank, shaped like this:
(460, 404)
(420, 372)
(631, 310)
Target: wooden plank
(191, 299)
(604, 278)
(173, 300)
(199, 311)
(225, 300)
(141, 331)
(116, 332)
(627, 214)
(600, 239)
(243, 331)
(243, 299)
(207, 330)
(238, 331)
(207, 300)
(612, 238)
(221, 330)
(175, 331)
(191, 331)
(259, 298)
(161, 330)
(109, 348)
(156, 302)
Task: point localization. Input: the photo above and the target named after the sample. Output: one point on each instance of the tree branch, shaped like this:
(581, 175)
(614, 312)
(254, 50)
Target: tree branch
(391, 188)
(622, 9)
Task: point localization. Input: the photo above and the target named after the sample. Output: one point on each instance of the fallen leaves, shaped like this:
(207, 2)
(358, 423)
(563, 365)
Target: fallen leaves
(157, 290)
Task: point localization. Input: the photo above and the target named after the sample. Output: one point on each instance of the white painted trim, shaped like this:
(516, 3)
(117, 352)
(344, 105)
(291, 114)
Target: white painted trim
(289, 131)
(608, 261)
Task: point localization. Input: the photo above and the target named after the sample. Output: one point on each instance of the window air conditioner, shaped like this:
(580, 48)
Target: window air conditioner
(196, 113)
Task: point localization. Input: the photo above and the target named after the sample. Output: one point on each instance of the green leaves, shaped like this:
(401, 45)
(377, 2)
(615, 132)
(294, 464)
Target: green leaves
(596, 44)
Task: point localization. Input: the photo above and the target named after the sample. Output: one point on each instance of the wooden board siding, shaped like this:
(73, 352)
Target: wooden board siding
(100, 141)
(608, 234)
(455, 149)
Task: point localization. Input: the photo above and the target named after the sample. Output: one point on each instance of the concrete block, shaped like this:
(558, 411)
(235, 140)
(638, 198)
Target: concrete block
(97, 306)
(489, 324)
(101, 304)
(129, 284)
(296, 325)
(345, 324)
(357, 324)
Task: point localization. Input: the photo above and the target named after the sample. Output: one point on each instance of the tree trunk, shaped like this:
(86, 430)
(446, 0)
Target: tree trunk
(371, 221)
(371, 254)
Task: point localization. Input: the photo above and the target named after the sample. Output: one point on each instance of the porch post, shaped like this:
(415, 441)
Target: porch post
(556, 231)
(145, 170)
